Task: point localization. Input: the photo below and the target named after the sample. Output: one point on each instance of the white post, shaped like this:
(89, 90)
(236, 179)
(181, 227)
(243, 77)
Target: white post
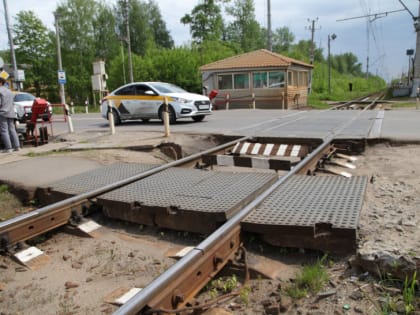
(253, 100)
(166, 118)
(227, 101)
(111, 119)
(72, 107)
(69, 121)
(282, 100)
(86, 106)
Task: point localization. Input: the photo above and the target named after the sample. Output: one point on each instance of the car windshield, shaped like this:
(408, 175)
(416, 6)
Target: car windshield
(167, 88)
(23, 97)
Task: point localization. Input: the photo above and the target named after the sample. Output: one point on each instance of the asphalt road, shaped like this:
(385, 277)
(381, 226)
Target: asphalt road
(395, 124)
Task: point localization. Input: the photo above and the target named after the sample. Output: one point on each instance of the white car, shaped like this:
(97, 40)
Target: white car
(145, 101)
(23, 106)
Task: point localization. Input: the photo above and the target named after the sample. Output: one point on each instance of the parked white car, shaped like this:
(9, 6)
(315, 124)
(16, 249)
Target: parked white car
(145, 101)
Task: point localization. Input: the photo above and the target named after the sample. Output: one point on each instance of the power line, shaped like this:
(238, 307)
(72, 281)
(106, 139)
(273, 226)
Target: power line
(375, 15)
(405, 8)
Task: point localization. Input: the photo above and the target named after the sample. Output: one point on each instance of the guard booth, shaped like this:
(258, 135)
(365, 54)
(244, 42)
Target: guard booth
(274, 81)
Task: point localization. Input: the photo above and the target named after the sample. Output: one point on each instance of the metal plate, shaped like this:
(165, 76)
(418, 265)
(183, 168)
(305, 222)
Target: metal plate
(312, 212)
(185, 199)
(89, 181)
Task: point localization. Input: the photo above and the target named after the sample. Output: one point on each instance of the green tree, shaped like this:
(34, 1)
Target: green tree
(301, 51)
(244, 29)
(147, 27)
(347, 63)
(34, 50)
(283, 39)
(206, 22)
(104, 35)
(158, 27)
(77, 45)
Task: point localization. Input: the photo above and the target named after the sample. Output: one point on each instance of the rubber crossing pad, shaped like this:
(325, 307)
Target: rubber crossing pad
(185, 199)
(319, 212)
(89, 181)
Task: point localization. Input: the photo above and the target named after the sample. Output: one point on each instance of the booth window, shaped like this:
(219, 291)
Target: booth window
(241, 81)
(303, 78)
(259, 80)
(237, 81)
(225, 82)
(292, 78)
(276, 79)
(270, 79)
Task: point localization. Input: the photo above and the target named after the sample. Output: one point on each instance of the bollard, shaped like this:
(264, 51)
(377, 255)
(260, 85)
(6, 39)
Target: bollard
(227, 101)
(86, 106)
(111, 119)
(282, 100)
(166, 118)
(253, 100)
(72, 107)
(417, 97)
(69, 121)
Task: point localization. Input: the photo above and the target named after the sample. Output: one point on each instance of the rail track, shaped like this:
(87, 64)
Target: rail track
(174, 288)
(363, 102)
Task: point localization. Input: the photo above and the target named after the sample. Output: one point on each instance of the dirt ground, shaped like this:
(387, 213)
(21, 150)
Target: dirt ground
(79, 274)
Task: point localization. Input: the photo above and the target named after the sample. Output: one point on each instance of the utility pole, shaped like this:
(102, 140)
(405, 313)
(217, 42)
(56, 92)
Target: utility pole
(269, 33)
(330, 38)
(60, 65)
(127, 27)
(12, 48)
(312, 28)
(416, 79)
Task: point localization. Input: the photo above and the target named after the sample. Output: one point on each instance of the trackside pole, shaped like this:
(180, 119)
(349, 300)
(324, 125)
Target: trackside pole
(111, 119)
(227, 101)
(253, 100)
(68, 117)
(166, 118)
(282, 100)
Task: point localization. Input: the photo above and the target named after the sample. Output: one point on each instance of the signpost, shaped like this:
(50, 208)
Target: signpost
(61, 76)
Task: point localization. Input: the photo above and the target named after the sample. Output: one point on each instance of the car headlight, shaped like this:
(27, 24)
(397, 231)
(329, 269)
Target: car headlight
(181, 100)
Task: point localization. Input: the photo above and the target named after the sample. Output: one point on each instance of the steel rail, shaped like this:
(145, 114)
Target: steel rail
(356, 101)
(139, 301)
(58, 207)
(96, 192)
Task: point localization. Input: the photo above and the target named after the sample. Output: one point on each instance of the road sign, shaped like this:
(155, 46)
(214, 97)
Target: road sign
(61, 76)
(4, 75)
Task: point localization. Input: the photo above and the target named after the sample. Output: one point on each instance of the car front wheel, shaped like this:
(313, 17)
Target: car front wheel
(172, 115)
(117, 119)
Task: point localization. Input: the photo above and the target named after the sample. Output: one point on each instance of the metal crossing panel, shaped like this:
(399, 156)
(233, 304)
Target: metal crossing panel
(88, 181)
(185, 199)
(319, 212)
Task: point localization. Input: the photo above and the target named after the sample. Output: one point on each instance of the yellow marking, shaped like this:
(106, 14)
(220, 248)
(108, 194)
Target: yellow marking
(138, 97)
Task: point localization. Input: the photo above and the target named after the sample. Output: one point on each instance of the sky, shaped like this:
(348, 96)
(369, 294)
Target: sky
(385, 39)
